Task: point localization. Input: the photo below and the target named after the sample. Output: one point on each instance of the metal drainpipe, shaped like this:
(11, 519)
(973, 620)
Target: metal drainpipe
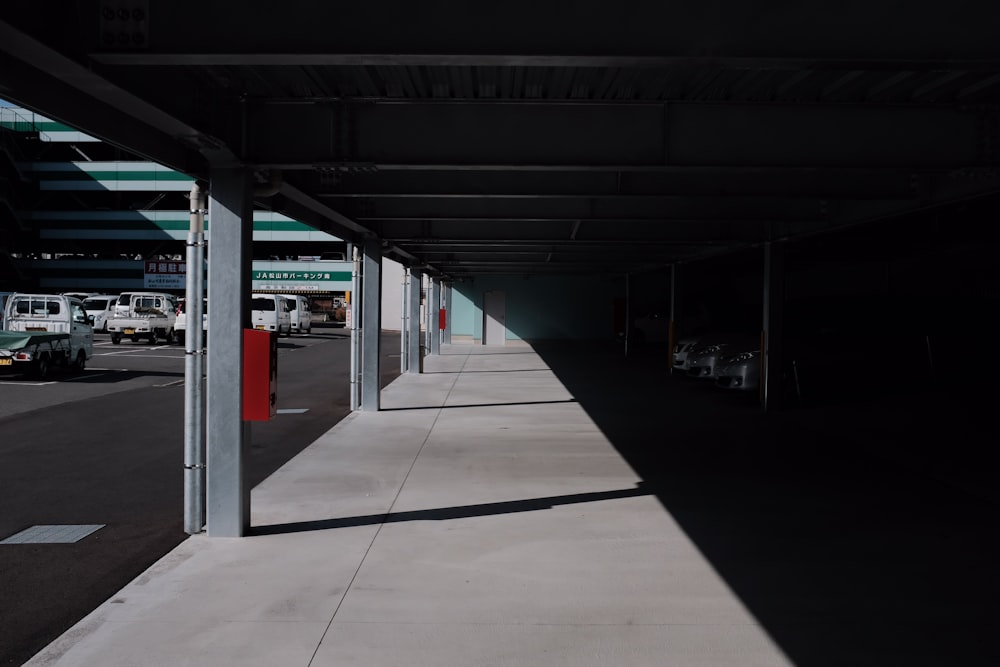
(194, 364)
(403, 327)
(355, 337)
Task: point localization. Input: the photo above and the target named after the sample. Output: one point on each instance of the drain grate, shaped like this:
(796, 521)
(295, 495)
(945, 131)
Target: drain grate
(64, 534)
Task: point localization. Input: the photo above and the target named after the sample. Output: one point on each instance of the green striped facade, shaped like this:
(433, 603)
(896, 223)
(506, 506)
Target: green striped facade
(21, 120)
(158, 225)
(118, 176)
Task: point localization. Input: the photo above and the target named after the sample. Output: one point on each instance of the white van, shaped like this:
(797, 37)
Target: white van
(99, 308)
(271, 312)
(301, 313)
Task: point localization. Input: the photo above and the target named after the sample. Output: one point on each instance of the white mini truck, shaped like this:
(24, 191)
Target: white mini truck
(149, 316)
(42, 331)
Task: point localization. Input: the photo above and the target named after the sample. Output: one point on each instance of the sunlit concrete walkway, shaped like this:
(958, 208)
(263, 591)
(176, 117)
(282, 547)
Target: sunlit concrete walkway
(480, 518)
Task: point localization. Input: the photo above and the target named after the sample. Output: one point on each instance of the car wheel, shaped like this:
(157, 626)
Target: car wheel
(116, 339)
(171, 337)
(179, 336)
(41, 370)
(81, 362)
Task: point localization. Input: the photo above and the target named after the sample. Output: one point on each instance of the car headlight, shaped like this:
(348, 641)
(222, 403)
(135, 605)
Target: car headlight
(710, 349)
(746, 356)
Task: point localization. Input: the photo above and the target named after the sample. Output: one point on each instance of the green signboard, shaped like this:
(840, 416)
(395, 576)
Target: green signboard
(301, 276)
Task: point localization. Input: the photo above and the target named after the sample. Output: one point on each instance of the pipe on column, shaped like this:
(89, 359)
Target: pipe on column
(194, 362)
(355, 312)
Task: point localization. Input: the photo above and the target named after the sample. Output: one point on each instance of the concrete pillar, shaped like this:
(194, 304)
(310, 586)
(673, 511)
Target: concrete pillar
(371, 324)
(230, 233)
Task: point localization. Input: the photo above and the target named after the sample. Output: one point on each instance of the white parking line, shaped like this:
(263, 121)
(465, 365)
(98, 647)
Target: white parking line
(134, 355)
(27, 384)
(85, 377)
(155, 356)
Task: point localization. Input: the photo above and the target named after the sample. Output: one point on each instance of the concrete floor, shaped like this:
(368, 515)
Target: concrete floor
(556, 506)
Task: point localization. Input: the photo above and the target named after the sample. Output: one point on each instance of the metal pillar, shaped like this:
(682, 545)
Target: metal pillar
(354, 306)
(371, 325)
(628, 310)
(672, 327)
(773, 324)
(404, 327)
(428, 326)
(230, 237)
(415, 351)
(194, 369)
(433, 319)
(446, 306)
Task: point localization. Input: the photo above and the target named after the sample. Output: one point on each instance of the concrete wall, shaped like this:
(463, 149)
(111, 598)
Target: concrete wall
(540, 307)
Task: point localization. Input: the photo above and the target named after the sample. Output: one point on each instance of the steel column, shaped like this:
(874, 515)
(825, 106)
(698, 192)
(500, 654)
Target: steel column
(446, 305)
(433, 323)
(672, 330)
(773, 322)
(354, 307)
(404, 327)
(371, 324)
(415, 352)
(230, 236)
(427, 315)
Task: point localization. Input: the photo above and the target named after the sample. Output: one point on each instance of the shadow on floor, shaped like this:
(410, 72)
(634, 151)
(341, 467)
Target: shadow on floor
(830, 524)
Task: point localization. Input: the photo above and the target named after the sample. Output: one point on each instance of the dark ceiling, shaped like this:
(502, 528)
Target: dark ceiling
(530, 137)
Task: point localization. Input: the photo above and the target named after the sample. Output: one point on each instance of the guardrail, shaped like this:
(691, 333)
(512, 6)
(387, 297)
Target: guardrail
(18, 120)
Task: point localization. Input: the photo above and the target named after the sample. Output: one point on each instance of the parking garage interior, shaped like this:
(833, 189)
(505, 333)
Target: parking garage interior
(663, 159)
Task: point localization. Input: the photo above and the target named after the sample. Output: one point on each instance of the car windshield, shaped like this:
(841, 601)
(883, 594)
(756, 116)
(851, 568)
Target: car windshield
(262, 304)
(95, 304)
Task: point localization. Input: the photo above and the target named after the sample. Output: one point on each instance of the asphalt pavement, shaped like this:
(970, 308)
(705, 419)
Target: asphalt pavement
(106, 447)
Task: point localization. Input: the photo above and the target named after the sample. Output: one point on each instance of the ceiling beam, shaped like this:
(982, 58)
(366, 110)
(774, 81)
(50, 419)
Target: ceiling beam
(607, 135)
(595, 33)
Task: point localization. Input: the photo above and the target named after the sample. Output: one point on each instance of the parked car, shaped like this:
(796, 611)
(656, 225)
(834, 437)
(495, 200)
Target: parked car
(703, 359)
(180, 324)
(99, 308)
(682, 349)
(271, 312)
(739, 371)
(300, 314)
